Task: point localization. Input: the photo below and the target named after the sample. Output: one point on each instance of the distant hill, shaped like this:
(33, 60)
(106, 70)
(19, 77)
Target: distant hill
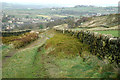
(26, 6)
(85, 10)
(19, 6)
(84, 6)
(78, 10)
(105, 21)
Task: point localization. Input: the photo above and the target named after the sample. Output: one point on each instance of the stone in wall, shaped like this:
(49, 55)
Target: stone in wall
(102, 45)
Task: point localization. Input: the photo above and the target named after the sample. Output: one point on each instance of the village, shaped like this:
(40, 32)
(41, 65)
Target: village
(10, 22)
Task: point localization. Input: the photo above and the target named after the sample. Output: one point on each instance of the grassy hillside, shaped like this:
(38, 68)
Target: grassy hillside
(113, 32)
(62, 56)
(106, 21)
(105, 24)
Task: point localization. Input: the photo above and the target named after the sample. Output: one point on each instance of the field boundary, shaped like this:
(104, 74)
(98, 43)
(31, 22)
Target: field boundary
(102, 45)
(13, 33)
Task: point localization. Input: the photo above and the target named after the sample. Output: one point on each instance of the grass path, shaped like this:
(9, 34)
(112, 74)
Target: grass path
(55, 55)
(41, 40)
(51, 68)
(25, 62)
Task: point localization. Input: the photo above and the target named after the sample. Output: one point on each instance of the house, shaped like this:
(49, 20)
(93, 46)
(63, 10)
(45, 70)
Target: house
(20, 22)
(98, 14)
(10, 22)
(8, 28)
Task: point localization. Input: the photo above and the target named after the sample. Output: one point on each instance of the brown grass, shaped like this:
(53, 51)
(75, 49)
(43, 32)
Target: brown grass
(65, 45)
(20, 41)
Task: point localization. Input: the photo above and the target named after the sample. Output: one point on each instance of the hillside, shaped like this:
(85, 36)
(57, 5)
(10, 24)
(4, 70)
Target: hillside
(62, 42)
(86, 10)
(56, 55)
(50, 10)
(105, 21)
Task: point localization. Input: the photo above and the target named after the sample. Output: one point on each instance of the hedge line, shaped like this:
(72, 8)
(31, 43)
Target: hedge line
(104, 46)
(13, 33)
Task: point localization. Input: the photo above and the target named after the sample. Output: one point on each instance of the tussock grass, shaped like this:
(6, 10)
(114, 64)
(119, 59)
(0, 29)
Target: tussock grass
(75, 61)
(91, 67)
(63, 44)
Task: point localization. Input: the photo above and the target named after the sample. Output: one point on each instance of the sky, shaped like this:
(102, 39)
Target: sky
(67, 2)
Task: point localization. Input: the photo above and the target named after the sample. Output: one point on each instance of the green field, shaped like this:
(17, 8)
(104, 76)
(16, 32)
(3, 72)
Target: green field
(113, 32)
(58, 12)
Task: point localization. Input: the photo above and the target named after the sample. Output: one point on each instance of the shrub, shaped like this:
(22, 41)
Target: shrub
(20, 41)
(24, 40)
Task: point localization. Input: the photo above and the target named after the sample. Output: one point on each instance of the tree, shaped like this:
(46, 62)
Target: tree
(41, 26)
(27, 16)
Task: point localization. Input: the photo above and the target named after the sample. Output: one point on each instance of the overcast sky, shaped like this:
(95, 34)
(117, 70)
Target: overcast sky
(68, 2)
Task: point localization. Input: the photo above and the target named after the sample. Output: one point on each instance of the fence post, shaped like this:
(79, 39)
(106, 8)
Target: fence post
(63, 31)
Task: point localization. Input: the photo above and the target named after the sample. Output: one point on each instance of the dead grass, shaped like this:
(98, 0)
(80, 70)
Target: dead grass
(20, 41)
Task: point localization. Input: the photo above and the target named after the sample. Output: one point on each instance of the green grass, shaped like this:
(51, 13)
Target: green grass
(5, 49)
(65, 45)
(24, 64)
(77, 68)
(63, 56)
(113, 32)
(81, 28)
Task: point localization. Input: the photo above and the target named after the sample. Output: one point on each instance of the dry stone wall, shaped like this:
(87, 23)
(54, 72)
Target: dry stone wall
(13, 33)
(104, 46)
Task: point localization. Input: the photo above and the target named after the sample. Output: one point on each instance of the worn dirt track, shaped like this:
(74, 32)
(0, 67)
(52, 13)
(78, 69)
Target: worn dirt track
(40, 41)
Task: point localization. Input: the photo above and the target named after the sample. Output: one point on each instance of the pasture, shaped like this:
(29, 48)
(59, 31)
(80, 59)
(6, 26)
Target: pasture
(113, 32)
(45, 16)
